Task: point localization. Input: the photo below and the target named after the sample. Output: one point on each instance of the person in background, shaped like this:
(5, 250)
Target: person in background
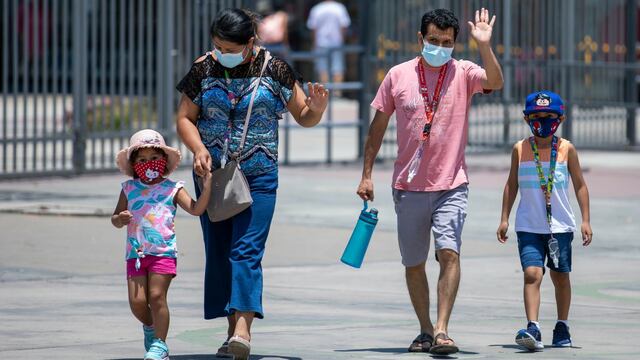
(329, 21)
(273, 30)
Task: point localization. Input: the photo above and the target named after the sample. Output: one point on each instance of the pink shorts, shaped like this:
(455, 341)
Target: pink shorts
(152, 264)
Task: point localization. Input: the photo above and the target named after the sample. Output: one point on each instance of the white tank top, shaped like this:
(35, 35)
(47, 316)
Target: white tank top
(531, 215)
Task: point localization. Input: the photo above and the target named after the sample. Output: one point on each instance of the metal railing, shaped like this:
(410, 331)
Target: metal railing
(329, 123)
(587, 51)
(78, 77)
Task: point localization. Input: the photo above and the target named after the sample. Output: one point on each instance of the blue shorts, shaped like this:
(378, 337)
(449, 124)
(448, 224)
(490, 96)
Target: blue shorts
(533, 250)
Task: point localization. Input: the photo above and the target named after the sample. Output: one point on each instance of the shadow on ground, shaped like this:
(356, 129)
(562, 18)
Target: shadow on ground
(525, 351)
(211, 357)
(398, 351)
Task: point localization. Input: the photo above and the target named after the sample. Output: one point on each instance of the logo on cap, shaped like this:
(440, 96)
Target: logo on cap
(543, 100)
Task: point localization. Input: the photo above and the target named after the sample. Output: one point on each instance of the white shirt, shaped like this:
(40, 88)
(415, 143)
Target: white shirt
(327, 19)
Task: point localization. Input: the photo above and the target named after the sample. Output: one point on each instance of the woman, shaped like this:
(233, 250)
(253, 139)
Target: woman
(216, 95)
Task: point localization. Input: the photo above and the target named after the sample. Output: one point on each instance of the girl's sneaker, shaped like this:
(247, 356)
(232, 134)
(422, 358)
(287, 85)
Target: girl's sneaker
(149, 335)
(530, 338)
(561, 336)
(157, 351)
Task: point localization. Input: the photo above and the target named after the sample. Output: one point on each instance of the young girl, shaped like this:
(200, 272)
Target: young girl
(147, 205)
(541, 167)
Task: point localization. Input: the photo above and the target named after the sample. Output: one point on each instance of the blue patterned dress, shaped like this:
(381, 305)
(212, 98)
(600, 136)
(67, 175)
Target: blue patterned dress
(208, 85)
(234, 247)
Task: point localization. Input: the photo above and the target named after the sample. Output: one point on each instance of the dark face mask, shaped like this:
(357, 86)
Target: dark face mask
(544, 126)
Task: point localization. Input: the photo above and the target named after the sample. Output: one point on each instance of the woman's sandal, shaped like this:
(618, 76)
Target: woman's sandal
(223, 350)
(443, 349)
(239, 347)
(422, 343)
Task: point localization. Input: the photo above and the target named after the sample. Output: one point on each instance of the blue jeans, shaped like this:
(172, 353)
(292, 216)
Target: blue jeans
(533, 250)
(234, 250)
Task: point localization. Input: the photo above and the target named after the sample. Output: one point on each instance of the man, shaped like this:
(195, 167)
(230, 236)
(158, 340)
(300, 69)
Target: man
(431, 95)
(329, 21)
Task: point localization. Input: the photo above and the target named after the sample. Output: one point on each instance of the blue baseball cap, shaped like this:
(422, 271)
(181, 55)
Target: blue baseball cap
(544, 100)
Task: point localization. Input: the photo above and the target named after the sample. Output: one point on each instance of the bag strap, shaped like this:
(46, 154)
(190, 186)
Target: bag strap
(267, 57)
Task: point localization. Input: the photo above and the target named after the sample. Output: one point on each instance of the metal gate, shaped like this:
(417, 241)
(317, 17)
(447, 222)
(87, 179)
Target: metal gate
(79, 76)
(586, 50)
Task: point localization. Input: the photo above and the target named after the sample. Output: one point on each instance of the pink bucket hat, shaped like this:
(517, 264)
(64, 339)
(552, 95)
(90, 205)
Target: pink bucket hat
(143, 139)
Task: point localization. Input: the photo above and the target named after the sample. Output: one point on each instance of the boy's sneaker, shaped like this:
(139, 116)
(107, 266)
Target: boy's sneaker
(530, 338)
(149, 335)
(157, 351)
(561, 336)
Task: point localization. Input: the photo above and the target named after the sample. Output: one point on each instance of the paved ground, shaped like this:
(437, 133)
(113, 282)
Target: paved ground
(63, 294)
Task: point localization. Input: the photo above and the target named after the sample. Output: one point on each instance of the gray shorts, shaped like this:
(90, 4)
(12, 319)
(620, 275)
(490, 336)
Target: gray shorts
(322, 61)
(418, 212)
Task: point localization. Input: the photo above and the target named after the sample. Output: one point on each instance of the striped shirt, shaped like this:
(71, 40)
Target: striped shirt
(531, 215)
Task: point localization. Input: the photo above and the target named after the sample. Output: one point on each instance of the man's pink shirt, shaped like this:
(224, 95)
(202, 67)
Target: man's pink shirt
(443, 165)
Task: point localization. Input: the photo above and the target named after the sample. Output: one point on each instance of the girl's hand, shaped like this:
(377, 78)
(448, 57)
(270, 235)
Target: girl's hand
(125, 217)
(202, 163)
(586, 233)
(206, 179)
(318, 98)
(502, 232)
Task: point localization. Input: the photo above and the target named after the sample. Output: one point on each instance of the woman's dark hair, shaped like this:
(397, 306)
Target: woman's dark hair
(235, 25)
(442, 19)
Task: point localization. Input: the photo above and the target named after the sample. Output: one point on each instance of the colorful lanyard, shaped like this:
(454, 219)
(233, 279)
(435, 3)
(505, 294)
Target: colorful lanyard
(546, 186)
(234, 100)
(430, 105)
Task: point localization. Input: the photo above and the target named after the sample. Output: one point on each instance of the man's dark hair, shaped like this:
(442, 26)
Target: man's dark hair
(442, 19)
(234, 25)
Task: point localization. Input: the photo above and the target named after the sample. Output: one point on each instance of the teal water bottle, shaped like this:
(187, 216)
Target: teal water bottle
(359, 241)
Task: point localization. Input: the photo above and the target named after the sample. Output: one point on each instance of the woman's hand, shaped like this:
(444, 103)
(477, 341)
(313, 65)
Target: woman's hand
(202, 162)
(307, 109)
(317, 99)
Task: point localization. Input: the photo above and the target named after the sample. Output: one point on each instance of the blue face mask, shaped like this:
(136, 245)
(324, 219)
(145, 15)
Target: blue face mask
(229, 60)
(436, 56)
(544, 126)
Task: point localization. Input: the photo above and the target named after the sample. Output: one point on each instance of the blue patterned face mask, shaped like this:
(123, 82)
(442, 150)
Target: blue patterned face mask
(544, 126)
(229, 60)
(436, 56)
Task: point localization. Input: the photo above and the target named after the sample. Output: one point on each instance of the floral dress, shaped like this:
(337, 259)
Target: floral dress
(153, 208)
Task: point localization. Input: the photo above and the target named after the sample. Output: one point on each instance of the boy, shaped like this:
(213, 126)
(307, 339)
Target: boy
(541, 167)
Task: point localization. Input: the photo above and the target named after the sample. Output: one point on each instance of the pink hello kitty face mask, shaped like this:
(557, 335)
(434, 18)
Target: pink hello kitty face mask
(150, 170)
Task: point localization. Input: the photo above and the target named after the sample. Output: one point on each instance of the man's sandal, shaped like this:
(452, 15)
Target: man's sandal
(443, 349)
(422, 343)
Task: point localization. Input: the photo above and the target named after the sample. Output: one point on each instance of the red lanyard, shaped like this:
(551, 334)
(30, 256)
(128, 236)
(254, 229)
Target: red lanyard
(430, 106)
